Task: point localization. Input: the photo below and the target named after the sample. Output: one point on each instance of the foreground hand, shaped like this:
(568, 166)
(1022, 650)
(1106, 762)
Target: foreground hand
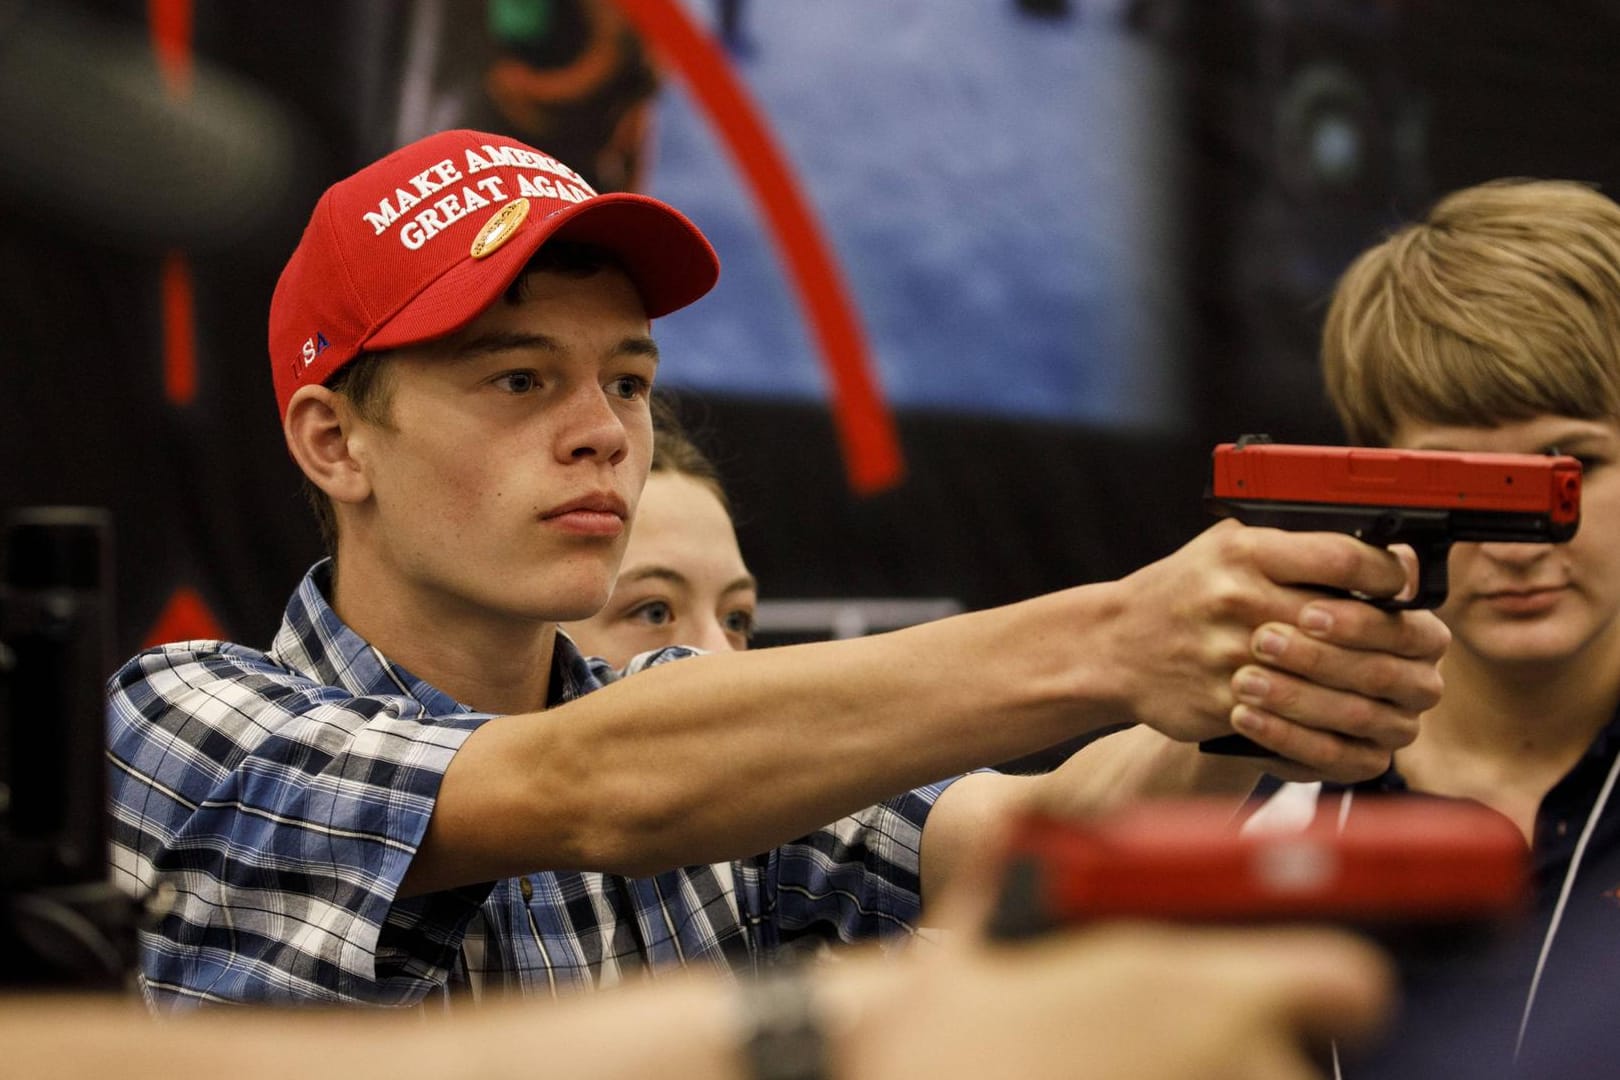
(1234, 632)
(1145, 1001)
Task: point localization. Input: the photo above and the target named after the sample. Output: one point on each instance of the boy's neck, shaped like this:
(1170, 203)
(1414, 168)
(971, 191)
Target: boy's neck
(488, 663)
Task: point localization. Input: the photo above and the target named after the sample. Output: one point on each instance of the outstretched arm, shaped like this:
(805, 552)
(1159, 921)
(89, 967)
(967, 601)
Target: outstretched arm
(726, 755)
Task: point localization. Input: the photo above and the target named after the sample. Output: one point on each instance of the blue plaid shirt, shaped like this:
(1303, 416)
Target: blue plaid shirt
(277, 798)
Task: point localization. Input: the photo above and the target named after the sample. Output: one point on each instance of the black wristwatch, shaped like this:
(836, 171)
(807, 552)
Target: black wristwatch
(783, 1035)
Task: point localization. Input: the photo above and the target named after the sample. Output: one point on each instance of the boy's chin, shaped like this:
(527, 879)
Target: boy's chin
(578, 606)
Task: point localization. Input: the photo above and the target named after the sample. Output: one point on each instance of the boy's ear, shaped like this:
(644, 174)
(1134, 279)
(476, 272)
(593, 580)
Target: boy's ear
(319, 428)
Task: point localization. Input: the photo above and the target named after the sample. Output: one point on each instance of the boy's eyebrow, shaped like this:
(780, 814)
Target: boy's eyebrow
(498, 341)
(639, 345)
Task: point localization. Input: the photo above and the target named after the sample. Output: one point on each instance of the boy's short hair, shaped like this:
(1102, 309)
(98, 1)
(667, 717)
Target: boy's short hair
(1502, 304)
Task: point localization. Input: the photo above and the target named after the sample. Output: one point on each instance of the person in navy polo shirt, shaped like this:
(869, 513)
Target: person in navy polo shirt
(1493, 324)
(422, 788)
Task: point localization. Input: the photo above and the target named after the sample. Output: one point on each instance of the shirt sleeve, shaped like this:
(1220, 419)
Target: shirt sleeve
(856, 879)
(277, 817)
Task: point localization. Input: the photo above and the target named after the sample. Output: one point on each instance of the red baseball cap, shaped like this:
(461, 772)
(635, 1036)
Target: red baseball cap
(416, 245)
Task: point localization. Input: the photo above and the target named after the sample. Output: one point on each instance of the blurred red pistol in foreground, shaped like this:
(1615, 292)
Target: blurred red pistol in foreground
(1413, 872)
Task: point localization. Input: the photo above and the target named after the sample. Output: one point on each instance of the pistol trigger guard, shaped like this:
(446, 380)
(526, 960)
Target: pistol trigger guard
(1434, 580)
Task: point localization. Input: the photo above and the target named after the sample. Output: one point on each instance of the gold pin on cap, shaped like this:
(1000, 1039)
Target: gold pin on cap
(500, 228)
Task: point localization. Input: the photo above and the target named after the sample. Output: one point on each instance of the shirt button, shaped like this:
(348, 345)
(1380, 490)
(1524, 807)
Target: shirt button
(1562, 828)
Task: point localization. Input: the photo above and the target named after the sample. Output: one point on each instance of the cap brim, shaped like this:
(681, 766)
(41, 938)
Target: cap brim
(668, 260)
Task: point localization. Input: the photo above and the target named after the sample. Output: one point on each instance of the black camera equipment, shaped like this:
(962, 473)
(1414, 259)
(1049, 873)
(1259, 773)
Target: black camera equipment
(63, 924)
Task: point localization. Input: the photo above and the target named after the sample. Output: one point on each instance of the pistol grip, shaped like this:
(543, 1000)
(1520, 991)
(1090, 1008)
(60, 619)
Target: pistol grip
(1235, 746)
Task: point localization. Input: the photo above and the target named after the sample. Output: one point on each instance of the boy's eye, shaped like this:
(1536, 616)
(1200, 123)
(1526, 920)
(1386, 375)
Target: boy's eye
(517, 382)
(629, 387)
(739, 622)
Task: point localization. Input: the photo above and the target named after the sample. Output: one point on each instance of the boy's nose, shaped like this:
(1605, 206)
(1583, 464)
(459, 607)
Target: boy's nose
(592, 429)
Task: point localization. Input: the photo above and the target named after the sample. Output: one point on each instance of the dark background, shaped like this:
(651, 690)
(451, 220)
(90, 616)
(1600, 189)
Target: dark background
(1295, 134)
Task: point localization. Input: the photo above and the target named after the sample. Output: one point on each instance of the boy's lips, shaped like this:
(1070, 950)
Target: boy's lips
(599, 502)
(600, 513)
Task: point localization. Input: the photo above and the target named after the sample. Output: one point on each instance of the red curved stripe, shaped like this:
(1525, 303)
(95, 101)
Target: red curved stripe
(169, 24)
(179, 329)
(866, 427)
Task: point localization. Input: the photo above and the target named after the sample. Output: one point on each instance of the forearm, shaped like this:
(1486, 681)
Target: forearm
(1140, 763)
(1114, 998)
(721, 756)
(685, 1026)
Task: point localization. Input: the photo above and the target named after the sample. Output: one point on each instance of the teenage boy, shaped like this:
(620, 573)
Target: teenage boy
(423, 786)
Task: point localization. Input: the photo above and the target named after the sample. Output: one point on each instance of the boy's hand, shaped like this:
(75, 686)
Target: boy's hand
(1233, 632)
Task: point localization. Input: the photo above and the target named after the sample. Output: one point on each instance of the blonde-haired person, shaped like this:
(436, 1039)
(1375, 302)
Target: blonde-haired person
(683, 580)
(1493, 324)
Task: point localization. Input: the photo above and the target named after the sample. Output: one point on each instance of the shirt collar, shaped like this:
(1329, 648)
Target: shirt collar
(314, 640)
